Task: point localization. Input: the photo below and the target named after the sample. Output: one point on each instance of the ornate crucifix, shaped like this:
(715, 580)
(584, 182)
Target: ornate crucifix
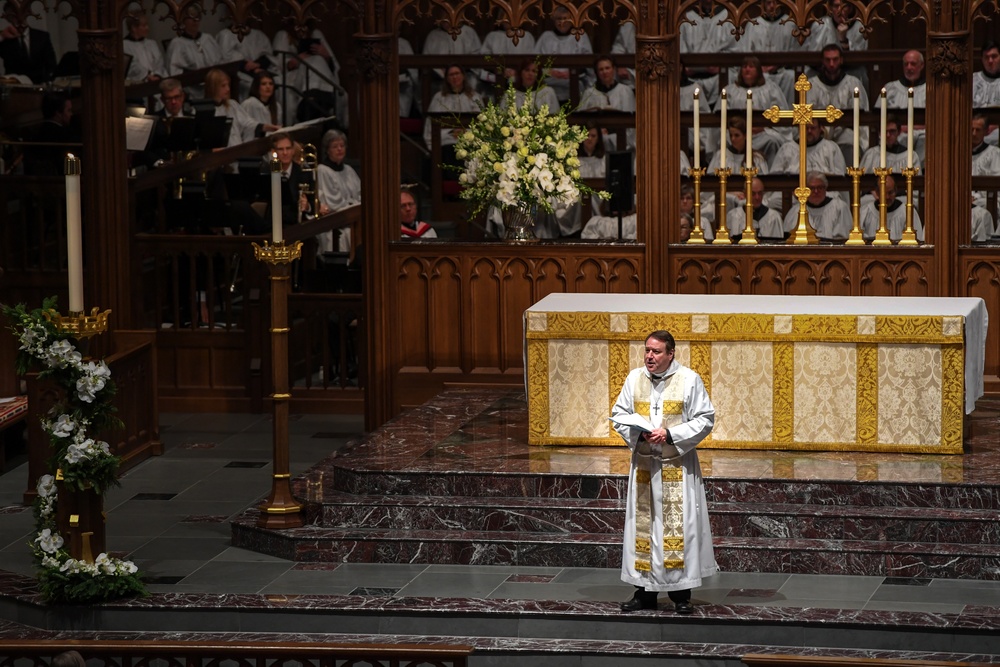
(801, 114)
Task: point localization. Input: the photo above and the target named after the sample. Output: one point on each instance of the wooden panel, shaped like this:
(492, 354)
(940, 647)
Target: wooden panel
(981, 277)
(445, 307)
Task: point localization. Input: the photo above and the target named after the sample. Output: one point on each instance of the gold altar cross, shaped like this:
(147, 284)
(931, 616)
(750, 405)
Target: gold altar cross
(801, 114)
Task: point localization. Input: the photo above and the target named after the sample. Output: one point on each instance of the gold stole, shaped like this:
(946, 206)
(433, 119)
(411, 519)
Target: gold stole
(671, 478)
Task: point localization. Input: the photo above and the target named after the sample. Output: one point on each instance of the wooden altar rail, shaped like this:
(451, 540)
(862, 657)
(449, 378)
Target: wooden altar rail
(112, 653)
(763, 660)
(133, 370)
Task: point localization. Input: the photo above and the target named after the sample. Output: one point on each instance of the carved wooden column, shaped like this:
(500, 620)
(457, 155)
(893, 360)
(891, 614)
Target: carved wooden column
(103, 179)
(949, 144)
(657, 120)
(377, 58)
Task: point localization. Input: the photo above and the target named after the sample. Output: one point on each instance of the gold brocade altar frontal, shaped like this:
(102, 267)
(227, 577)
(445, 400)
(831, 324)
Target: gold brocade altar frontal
(788, 382)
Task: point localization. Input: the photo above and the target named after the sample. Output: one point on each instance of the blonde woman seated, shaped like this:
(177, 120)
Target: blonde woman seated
(339, 187)
(217, 89)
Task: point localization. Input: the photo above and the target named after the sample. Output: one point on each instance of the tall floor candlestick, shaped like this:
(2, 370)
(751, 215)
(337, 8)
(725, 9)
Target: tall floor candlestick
(856, 237)
(882, 235)
(721, 229)
(74, 234)
(697, 233)
(909, 235)
(749, 237)
(276, 236)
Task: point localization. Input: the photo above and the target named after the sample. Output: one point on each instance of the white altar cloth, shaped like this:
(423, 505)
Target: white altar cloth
(752, 347)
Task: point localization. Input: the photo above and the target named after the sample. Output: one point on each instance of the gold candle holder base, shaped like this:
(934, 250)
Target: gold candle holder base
(697, 233)
(749, 237)
(882, 235)
(79, 324)
(721, 229)
(909, 237)
(278, 253)
(804, 234)
(856, 237)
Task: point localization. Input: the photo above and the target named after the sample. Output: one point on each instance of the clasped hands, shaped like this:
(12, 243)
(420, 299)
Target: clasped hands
(657, 443)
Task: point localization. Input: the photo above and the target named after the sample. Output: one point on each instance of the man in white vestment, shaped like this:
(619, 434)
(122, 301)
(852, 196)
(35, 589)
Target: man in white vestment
(897, 95)
(668, 539)
(607, 94)
(985, 157)
(821, 154)
(829, 216)
(895, 215)
(767, 222)
(895, 151)
(982, 224)
(832, 85)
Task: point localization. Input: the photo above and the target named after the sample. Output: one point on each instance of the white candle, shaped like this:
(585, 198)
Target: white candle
(697, 129)
(276, 236)
(749, 129)
(857, 128)
(74, 234)
(909, 128)
(724, 134)
(881, 143)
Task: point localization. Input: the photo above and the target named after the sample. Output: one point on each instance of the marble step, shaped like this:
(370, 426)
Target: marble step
(493, 484)
(739, 554)
(565, 515)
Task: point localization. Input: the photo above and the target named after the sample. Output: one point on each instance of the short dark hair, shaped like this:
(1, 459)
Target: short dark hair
(833, 46)
(280, 136)
(53, 102)
(69, 659)
(664, 337)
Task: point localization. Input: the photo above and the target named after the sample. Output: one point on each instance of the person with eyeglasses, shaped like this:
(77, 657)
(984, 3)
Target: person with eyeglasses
(829, 216)
(192, 49)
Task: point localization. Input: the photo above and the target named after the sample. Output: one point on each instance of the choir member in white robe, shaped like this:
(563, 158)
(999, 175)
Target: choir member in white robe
(895, 151)
(456, 96)
(736, 157)
(895, 215)
(308, 64)
(985, 157)
(607, 94)
(829, 216)
(497, 43)
(261, 105)
(710, 136)
(526, 79)
(982, 225)
(561, 41)
(832, 85)
(770, 35)
(821, 154)
(606, 227)
(147, 59)
(192, 49)
(765, 95)
(668, 540)
(591, 156)
(986, 82)
(839, 26)
(255, 51)
(217, 89)
(339, 187)
(707, 34)
(625, 43)
(767, 222)
(897, 96)
(409, 82)
(440, 43)
(707, 214)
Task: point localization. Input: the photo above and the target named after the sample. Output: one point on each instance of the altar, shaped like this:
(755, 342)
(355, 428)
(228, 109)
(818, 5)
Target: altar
(872, 374)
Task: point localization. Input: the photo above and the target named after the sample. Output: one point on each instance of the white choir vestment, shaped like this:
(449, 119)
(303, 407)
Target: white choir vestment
(187, 53)
(770, 225)
(841, 96)
(895, 220)
(824, 156)
(831, 219)
(337, 190)
(552, 43)
(147, 59)
(687, 425)
(452, 103)
(985, 162)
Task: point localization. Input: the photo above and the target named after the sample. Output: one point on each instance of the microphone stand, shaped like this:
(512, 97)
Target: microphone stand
(617, 197)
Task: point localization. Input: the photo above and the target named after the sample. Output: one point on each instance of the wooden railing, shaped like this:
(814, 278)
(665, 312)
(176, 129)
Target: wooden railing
(761, 660)
(107, 653)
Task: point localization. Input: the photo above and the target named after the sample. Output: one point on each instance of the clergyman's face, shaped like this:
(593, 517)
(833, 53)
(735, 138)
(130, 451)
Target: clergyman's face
(657, 358)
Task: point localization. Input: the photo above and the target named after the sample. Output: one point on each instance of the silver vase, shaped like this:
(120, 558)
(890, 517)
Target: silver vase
(517, 224)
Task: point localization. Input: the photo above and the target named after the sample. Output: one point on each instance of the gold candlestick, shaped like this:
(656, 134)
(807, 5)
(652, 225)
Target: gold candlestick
(749, 237)
(909, 235)
(882, 235)
(80, 325)
(803, 233)
(721, 230)
(697, 233)
(856, 237)
(280, 510)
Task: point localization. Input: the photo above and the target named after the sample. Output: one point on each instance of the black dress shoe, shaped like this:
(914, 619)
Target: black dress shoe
(683, 608)
(641, 600)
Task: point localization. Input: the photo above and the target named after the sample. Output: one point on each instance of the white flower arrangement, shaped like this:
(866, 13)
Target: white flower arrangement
(83, 461)
(516, 157)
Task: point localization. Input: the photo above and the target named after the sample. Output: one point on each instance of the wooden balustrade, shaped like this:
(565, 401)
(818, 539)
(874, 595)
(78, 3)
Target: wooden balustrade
(117, 653)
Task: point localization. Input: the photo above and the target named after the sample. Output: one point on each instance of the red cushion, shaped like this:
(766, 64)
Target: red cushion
(13, 411)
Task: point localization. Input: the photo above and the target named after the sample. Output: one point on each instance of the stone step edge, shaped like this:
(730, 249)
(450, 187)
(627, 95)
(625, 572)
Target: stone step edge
(316, 535)
(342, 499)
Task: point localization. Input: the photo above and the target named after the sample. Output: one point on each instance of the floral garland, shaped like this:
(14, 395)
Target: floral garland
(517, 157)
(82, 461)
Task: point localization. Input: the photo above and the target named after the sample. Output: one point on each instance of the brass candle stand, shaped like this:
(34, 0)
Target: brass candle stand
(749, 237)
(856, 237)
(280, 510)
(721, 229)
(909, 235)
(882, 235)
(79, 324)
(697, 233)
(803, 232)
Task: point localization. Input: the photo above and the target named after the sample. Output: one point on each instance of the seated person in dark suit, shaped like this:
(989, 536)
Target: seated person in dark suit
(26, 51)
(55, 132)
(293, 203)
